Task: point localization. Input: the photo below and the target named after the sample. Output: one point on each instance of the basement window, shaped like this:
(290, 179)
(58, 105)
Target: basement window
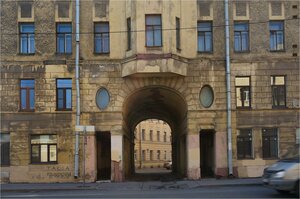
(5, 149)
(244, 144)
(43, 149)
(270, 143)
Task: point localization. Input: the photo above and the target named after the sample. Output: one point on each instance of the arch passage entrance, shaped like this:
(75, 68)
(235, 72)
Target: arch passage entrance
(160, 103)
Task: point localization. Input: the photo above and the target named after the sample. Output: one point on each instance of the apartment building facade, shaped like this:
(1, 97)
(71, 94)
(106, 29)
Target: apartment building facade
(140, 60)
(152, 146)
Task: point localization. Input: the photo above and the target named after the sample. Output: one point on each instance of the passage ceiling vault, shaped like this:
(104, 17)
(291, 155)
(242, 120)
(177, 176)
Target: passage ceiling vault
(154, 102)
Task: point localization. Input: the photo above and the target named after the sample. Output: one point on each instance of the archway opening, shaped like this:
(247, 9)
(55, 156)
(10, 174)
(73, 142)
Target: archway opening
(163, 104)
(153, 147)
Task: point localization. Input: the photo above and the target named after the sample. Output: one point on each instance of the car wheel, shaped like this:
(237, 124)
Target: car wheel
(282, 191)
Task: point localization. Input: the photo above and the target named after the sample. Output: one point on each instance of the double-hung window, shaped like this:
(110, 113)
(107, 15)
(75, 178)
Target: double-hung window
(64, 94)
(276, 35)
(205, 37)
(270, 143)
(64, 38)
(241, 37)
(278, 91)
(153, 31)
(158, 136)
(243, 92)
(43, 149)
(101, 37)
(27, 38)
(27, 101)
(244, 144)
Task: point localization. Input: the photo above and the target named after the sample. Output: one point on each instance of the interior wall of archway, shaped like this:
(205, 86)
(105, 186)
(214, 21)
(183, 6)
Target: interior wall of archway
(159, 98)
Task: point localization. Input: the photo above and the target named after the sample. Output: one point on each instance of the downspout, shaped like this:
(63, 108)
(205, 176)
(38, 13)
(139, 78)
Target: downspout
(76, 161)
(228, 91)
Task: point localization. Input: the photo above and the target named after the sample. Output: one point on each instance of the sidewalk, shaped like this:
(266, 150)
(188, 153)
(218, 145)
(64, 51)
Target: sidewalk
(132, 185)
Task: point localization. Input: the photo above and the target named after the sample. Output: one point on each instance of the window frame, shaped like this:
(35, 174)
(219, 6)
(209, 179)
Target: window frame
(102, 37)
(241, 37)
(27, 39)
(153, 30)
(65, 39)
(272, 92)
(64, 96)
(244, 143)
(250, 94)
(211, 40)
(276, 130)
(48, 150)
(283, 37)
(28, 101)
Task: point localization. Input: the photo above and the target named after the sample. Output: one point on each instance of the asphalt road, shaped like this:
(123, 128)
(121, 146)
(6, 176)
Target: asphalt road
(203, 192)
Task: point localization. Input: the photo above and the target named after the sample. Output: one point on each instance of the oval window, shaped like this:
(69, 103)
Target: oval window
(102, 98)
(206, 96)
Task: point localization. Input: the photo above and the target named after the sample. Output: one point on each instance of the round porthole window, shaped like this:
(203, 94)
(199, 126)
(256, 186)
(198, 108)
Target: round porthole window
(102, 98)
(206, 96)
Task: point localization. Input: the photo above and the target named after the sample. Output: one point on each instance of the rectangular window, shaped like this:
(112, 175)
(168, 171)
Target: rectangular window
(158, 155)
(165, 137)
(135, 155)
(101, 38)
(278, 91)
(129, 33)
(64, 94)
(243, 92)
(276, 35)
(205, 37)
(244, 144)
(153, 31)
(270, 143)
(5, 149)
(143, 134)
(177, 33)
(27, 45)
(241, 37)
(158, 136)
(151, 154)
(27, 95)
(64, 38)
(151, 135)
(26, 10)
(143, 155)
(165, 155)
(43, 149)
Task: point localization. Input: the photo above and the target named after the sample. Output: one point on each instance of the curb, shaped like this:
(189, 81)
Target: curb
(150, 187)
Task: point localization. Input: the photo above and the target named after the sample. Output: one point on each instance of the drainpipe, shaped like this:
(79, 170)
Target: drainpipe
(228, 91)
(77, 90)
